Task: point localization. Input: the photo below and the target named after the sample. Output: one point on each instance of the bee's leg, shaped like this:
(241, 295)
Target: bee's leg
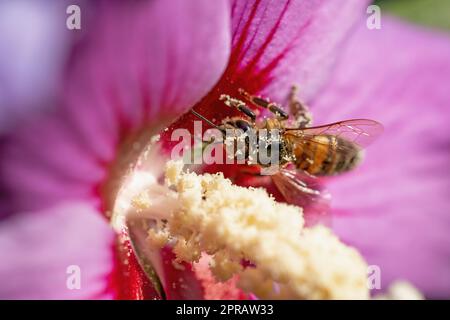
(299, 111)
(238, 104)
(266, 104)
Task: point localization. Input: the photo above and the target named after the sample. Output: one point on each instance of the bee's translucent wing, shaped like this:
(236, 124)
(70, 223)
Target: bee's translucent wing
(361, 132)
(304, 191)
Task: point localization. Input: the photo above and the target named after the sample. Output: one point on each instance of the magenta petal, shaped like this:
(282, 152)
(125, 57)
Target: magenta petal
(37, 250)
(32, 49)
(140, 65)
(180, 280)
(396, 207)
(146, 62)
(282, 43)
(44, 163)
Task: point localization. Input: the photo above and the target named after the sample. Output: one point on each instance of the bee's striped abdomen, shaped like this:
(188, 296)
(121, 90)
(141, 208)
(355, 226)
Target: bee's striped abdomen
(326, 155)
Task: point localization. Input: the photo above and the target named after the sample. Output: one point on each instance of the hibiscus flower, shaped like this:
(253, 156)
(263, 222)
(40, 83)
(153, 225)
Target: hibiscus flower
(139, 66)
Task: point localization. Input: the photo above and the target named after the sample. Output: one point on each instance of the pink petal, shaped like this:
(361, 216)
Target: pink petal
(37, 248)
(33, 44)
(395, 207)
(280, 43)
(276, 44)
(45, 163)
(140, 65)
(144, 64)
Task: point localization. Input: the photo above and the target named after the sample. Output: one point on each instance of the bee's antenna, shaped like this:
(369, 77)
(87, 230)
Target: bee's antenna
(198, 115)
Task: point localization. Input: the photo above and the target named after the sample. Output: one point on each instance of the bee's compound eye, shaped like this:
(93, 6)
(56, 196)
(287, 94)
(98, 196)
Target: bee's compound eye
(243, 125)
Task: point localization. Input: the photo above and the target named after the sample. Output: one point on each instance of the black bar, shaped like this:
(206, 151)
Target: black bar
(291, 310)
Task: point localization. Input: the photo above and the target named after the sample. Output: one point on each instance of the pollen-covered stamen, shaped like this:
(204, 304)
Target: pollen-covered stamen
(137, 167)
(234, 224)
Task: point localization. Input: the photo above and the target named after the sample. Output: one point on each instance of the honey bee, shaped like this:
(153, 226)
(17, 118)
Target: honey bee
(306, 153)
